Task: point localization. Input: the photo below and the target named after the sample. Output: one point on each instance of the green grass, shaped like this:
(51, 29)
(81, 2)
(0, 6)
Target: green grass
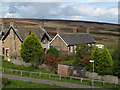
(25, 84)
(68, 61)
(56, 78)
(6, 64)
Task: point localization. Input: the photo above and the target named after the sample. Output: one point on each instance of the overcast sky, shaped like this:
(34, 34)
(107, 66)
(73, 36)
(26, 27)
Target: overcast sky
(73, 10)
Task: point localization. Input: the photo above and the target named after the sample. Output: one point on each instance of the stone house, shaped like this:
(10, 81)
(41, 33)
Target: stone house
(11, 39)
(68, 41)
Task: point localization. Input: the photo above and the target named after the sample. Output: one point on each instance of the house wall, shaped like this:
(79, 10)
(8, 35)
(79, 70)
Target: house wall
(59, 43)
(12, 43)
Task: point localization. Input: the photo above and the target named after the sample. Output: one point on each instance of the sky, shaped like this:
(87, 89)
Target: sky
(82, 10)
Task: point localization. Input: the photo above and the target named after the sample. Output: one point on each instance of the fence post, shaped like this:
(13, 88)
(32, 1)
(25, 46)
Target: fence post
(21, 72)
(70, 78)
(81, 80)
(3, 70)
(60, 77)
(30, 74)
(103, 83)
(49, 75)
(40, 74)
(12, 70)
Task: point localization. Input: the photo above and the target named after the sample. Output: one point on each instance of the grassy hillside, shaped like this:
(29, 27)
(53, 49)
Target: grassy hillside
(104, 33)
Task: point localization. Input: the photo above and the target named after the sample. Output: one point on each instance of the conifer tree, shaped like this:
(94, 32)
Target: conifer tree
(31, 49)
(106, 62)
(96, 56)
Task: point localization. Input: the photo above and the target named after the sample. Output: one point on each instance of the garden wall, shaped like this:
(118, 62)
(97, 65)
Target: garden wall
(107, 78)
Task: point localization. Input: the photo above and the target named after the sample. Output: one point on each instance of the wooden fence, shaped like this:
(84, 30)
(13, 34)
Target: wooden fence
(50, 75)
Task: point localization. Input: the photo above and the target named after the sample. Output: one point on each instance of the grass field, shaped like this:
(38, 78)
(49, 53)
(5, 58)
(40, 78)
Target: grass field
(6, 64)
(25, 84)
(65, 79)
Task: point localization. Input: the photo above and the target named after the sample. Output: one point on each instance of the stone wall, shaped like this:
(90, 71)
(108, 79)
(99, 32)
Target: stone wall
(107, 78)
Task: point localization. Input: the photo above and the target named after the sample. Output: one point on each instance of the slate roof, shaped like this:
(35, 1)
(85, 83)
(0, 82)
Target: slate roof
(77, 38)
(23, 32)
(1, 34)
(14, 32)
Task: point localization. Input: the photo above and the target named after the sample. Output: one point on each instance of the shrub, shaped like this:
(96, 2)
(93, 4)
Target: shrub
(76, 62)
(53, 51)
(5, 81)
(82, 50)
(85, 62)
(31, 49)
(51, 60)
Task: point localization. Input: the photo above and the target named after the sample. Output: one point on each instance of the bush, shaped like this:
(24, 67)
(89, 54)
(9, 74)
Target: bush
(32, 50)
(76, 62)
(53, 51)
(5, 81)
(51, 60)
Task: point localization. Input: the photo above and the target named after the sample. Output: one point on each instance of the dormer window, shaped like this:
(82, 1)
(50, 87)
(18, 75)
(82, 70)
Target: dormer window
(44, 41)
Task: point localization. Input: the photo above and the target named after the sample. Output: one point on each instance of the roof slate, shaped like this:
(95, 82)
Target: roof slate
(77, 38)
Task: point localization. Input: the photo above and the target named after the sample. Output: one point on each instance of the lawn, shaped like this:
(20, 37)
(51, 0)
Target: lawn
(6, 64)
(64, 79)
(25, 84)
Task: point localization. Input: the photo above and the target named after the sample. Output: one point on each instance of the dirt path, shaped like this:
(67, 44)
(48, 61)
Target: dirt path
(71, 85)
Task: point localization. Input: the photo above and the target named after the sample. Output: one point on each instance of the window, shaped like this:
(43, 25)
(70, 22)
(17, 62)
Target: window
(44, 41)
(7, 52)
(3, 50)
(71, 48)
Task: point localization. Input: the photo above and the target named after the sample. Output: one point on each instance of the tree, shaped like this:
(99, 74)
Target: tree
(82, 50)
(52, 61)
(53, 51)
(103, 61)
(31, 49)
(85, 62)
(106, 62)
(76, 62)
(96, 56)
(116, 58)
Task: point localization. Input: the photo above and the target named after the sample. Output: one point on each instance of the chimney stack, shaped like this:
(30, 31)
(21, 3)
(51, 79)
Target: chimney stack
(57, 29)
(75, 30)
(88, 30)
(12, 24)
(2, 25)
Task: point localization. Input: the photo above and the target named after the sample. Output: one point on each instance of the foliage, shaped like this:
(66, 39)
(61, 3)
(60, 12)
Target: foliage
(51, 60)
(5, 81)
(6, 64)
(31, 49)
(116, 53)
(103, 61)
(82, 50)
(26, 84)
(116, 58)
(106, 62)
(53, 51)
(116, 68)
(96, 56)
(85, 62)
(76, 62)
